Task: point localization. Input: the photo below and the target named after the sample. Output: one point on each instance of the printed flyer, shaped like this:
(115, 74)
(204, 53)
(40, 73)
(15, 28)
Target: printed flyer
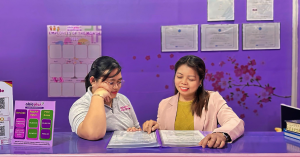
(34, 123)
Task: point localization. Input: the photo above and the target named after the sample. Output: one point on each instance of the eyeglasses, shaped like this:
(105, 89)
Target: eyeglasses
(118, 83)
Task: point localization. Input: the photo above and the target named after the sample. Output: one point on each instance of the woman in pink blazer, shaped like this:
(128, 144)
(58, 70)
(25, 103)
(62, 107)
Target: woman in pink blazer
(208, 108)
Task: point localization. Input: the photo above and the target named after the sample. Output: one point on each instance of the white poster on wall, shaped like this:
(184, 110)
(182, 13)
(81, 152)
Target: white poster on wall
(220, 10)
(71, 52)
(260, 10)
(221, 37)
(179, 38)
(261, 36)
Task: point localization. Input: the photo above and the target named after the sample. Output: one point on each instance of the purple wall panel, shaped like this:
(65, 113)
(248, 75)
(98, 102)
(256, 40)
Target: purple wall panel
(131, 32)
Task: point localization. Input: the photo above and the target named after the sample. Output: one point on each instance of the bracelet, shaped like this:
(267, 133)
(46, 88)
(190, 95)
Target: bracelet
(98, 95)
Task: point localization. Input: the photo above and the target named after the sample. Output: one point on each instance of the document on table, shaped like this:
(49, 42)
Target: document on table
(219, 37)
(220, 10)
(260, 10)
(179, 38)
(261, 36)
(180, 138)
(124, 139)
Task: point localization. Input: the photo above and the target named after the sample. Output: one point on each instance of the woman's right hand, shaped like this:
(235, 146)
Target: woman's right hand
(104, 93)
(150, 125)
(103, 90)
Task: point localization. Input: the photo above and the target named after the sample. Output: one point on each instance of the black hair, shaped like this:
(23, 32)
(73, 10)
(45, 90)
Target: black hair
(99, 67)
(201, 95)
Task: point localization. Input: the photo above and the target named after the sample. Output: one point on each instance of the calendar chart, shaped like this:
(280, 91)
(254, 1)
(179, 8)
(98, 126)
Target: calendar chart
(71, 52)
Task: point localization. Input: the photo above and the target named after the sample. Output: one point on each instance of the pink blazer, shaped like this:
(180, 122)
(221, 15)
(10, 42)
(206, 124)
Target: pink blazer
(218, 111)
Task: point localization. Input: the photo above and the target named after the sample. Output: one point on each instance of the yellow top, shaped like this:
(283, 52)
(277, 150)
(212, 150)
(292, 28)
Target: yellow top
(184, 117)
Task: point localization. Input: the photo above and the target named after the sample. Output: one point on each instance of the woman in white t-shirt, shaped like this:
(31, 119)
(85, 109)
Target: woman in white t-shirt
(102, 108)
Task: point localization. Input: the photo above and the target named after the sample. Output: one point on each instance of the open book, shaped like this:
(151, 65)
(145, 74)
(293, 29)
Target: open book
(161, 138)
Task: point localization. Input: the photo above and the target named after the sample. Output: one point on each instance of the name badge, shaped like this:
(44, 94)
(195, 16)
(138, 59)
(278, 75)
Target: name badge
(124, 108)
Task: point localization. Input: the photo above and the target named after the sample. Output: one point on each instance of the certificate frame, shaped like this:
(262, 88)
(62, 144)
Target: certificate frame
(252, 9)
(227, 15)
(191, 39)
(206, 38)
(251, 44)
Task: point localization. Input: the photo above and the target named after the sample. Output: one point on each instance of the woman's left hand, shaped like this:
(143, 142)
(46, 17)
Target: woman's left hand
(215, 140)
(133, 129)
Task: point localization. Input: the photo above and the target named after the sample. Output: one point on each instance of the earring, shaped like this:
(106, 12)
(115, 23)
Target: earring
(200, 85)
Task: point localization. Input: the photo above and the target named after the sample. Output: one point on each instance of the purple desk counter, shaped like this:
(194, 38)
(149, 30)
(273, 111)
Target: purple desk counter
(69, 144)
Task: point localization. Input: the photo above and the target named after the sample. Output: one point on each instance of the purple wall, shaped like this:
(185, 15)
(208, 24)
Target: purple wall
(131, 32)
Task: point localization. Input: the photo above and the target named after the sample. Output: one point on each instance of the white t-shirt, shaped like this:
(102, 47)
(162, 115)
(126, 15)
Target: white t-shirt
(120, 117)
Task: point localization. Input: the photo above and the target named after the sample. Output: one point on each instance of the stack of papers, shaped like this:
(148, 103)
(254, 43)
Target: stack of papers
(180, 138)
(164, 138)
(124, 139)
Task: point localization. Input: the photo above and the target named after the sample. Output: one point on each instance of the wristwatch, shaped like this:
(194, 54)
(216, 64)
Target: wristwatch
(228, 139)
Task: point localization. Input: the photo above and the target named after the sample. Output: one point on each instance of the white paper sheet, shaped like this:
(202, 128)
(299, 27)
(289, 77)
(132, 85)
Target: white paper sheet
(219, 37)
(260, 10)
(179, 38)
(220, 10)
(124, 139)
(180, 138)
(261, 36)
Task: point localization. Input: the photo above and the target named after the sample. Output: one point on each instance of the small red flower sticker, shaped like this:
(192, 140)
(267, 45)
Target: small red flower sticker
(265, 100)
(242, 116)
(134, 57)
(227, 98)
(171, 55)
(166, 86)
(238, 72)
(269, 89)
(258, 78)
(157, 75)
(172, 67)
(244, 69)
(158, 56)
(252, 62)
(147, 58)
(212, 64)
(252, 72)
(221, 63)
